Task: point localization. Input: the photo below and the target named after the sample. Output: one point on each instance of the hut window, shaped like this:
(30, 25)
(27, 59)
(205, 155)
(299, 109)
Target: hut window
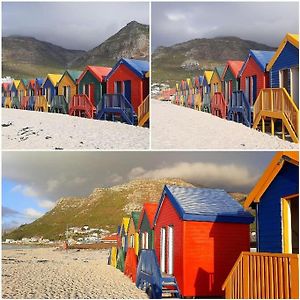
(170, 250)
(146, 240)
(132, 241)
(285, 79)
(118, 87)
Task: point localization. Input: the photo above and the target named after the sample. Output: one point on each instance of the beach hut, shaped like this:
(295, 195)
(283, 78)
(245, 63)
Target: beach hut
(207, 75)
(113, 256)
(22, 94)
(199, 234)
(14, 93)
(253, 74)
(182, 92)
(230, 78)
(50, 88)
(6, 92)
(34, 92)
(273, 271)
(127, 86)
(38, 86)
(91, 88)
(238, 107)
(198, 93)
(124, 232)
(218, 104)
(133, 234)
(145, 226)
(279, 105)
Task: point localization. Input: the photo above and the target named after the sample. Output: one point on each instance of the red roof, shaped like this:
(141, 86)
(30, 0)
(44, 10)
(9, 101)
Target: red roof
(5, 86)
(235, 67)
(32, 83)
(112, 237)
(98, 72)
(149, 209)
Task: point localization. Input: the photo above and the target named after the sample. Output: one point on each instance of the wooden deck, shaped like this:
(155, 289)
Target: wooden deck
(81, 105)
(143, 112)
(263, 276)
(274, 104)
(219, 105)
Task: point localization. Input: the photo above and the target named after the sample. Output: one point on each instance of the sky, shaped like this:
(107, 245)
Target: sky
(264, 22)
(72, 25)
(33, 181)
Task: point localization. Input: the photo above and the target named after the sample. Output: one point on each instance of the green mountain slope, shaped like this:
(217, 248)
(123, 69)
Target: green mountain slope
(104, 208)
(171, 64)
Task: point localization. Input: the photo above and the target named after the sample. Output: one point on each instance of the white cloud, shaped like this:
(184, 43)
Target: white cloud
(46, 203)
(206, 174)
(115, 178)
(26, 190)
(136, 172)
(52, 184)
(79, 180)
(32, 213)
(176, 17)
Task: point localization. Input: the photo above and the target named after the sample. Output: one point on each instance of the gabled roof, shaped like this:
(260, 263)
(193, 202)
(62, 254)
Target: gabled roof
(74, 75)
(135, 215)
(25, 82)
(202, 204)
(189, 82)
(39, 81)
(201, 79)
(6, 86)
(235, 67)
(125, 223)
(219, 71)
(289, 38)
(149, 210)
(100, 73)
(261, 58)
(139, 67)
(270, 173)
(54, 78)
(31, 83)
(208, 75)
(16, 83)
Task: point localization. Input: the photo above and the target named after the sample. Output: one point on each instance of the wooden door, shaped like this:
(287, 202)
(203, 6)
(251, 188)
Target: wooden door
(295, 85)
(127, 90)
(92, 93)
(285, 80)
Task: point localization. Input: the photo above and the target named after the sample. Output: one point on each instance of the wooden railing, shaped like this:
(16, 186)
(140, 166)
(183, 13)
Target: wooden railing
(143, 112)
(219, 105)
(277, 100)
(81, 103)
(24, 102)
(263, 276)
(41, 103)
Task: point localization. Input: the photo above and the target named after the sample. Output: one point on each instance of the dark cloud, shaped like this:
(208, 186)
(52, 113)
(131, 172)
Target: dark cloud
(265, 22)
(73, 25)
(8, 212)
(47, 176)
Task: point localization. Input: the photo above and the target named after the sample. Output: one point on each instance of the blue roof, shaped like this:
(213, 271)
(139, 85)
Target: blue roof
(39, 81)
(204, 204)
(201, 79)
(139, 67)
(262, 58)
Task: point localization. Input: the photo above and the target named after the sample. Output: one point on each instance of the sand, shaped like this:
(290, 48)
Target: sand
(37, 130)
(48, 273)
(177, 127)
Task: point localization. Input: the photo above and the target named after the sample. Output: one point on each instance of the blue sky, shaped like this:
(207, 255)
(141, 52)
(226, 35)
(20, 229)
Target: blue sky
(32, 182)
(73, 25)
(264, 22)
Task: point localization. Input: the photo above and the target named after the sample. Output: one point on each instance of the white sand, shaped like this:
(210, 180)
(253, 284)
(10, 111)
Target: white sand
(177, 127)
(38, 130)
(46, 273)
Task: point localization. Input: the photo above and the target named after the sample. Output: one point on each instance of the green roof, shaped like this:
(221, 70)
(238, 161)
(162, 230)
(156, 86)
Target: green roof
(220, 70)
(25, 81)
(135, 215)
(74, 74)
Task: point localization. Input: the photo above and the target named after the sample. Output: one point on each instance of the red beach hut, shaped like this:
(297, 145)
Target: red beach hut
(199, 234)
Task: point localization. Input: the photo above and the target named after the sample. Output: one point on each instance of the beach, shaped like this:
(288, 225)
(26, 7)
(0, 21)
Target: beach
(49, 273)
(178, 127)
(23, 129)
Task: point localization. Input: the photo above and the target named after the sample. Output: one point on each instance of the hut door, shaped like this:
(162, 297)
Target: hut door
(92, 93)
(127, 90)
(229, 89)
(247, 89)
(253, 89)
(170, 250)
(295, 85)
(163, 250)
(285, 80)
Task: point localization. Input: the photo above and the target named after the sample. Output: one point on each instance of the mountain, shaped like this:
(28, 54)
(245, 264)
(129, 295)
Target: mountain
(104, 208)
(132, 41)
(170, 64)
(27, 57)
